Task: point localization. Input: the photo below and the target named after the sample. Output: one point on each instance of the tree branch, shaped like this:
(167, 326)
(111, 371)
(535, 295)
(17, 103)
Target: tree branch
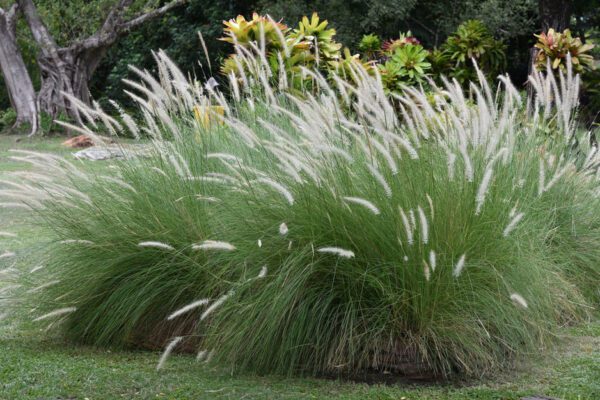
(106, 38)
(133, 23)
(11, 18)
(39, 30)
(114, 17)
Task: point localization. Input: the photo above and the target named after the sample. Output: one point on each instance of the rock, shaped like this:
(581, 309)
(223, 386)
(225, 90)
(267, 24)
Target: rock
(98, 153)
(79, 142)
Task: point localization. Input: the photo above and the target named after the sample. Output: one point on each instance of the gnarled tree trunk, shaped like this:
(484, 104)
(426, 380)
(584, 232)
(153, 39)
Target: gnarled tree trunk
(73, 78)
(16, 77)
(68, 70)
(54, 69)
(65, 71)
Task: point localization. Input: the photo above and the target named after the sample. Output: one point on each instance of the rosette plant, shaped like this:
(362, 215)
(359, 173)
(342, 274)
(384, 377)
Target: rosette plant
(555, 47)
(315, 32)
(390, 46)
(473, 42)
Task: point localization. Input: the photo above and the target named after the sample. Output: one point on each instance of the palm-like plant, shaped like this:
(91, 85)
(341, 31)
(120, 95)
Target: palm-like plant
(473, 42)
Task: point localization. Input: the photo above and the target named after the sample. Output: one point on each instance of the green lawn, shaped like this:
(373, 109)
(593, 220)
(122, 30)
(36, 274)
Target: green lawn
(35, 366)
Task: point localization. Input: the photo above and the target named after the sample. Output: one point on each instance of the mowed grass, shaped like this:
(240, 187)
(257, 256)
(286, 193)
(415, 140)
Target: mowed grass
(33, 366)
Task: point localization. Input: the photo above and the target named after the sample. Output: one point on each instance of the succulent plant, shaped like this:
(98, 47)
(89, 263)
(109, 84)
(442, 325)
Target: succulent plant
(242, 31)
(346, 65)
(554, 47)
(412, 60)
(315, 32)
(390, 46)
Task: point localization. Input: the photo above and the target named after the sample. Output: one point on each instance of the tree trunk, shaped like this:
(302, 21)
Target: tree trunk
(555, 14)
(55, 70)
(73, 78)
(16, 77)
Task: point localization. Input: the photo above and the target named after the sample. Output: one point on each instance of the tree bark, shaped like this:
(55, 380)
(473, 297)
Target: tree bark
(555, 14)
(16, 77)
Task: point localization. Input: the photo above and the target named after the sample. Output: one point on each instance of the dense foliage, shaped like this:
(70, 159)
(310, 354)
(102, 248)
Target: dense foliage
(431, 21)
(321, 233)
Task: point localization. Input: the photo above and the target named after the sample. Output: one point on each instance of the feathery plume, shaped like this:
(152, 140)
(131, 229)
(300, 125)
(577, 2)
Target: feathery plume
(483, 189)
(407, 227)
(158, 245)
(337, 251)
(217, 303)
(76, 241)
(213, 245)
(201, 355)
(8, 288)
(210, 199)
(518, 299)
(278, 187)
(36, 268)
(424, 225)
(160, 171)
(263, 272)
(432, 260)
(209, 356)
(426, 271)
(43, 286)
(542, 178)
(7, 254)
(8, 271)
(55, 313)
(187, 308)
(380, 179)
(512, 224)
(363, 202)
(170, 347)
(224, 156)
(460, 265)
(283, 229)
(450, 163)
(13, 205)
(430, 201)
(413, 220)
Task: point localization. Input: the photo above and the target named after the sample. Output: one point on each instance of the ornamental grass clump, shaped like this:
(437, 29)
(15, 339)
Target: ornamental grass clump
(338, 231)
